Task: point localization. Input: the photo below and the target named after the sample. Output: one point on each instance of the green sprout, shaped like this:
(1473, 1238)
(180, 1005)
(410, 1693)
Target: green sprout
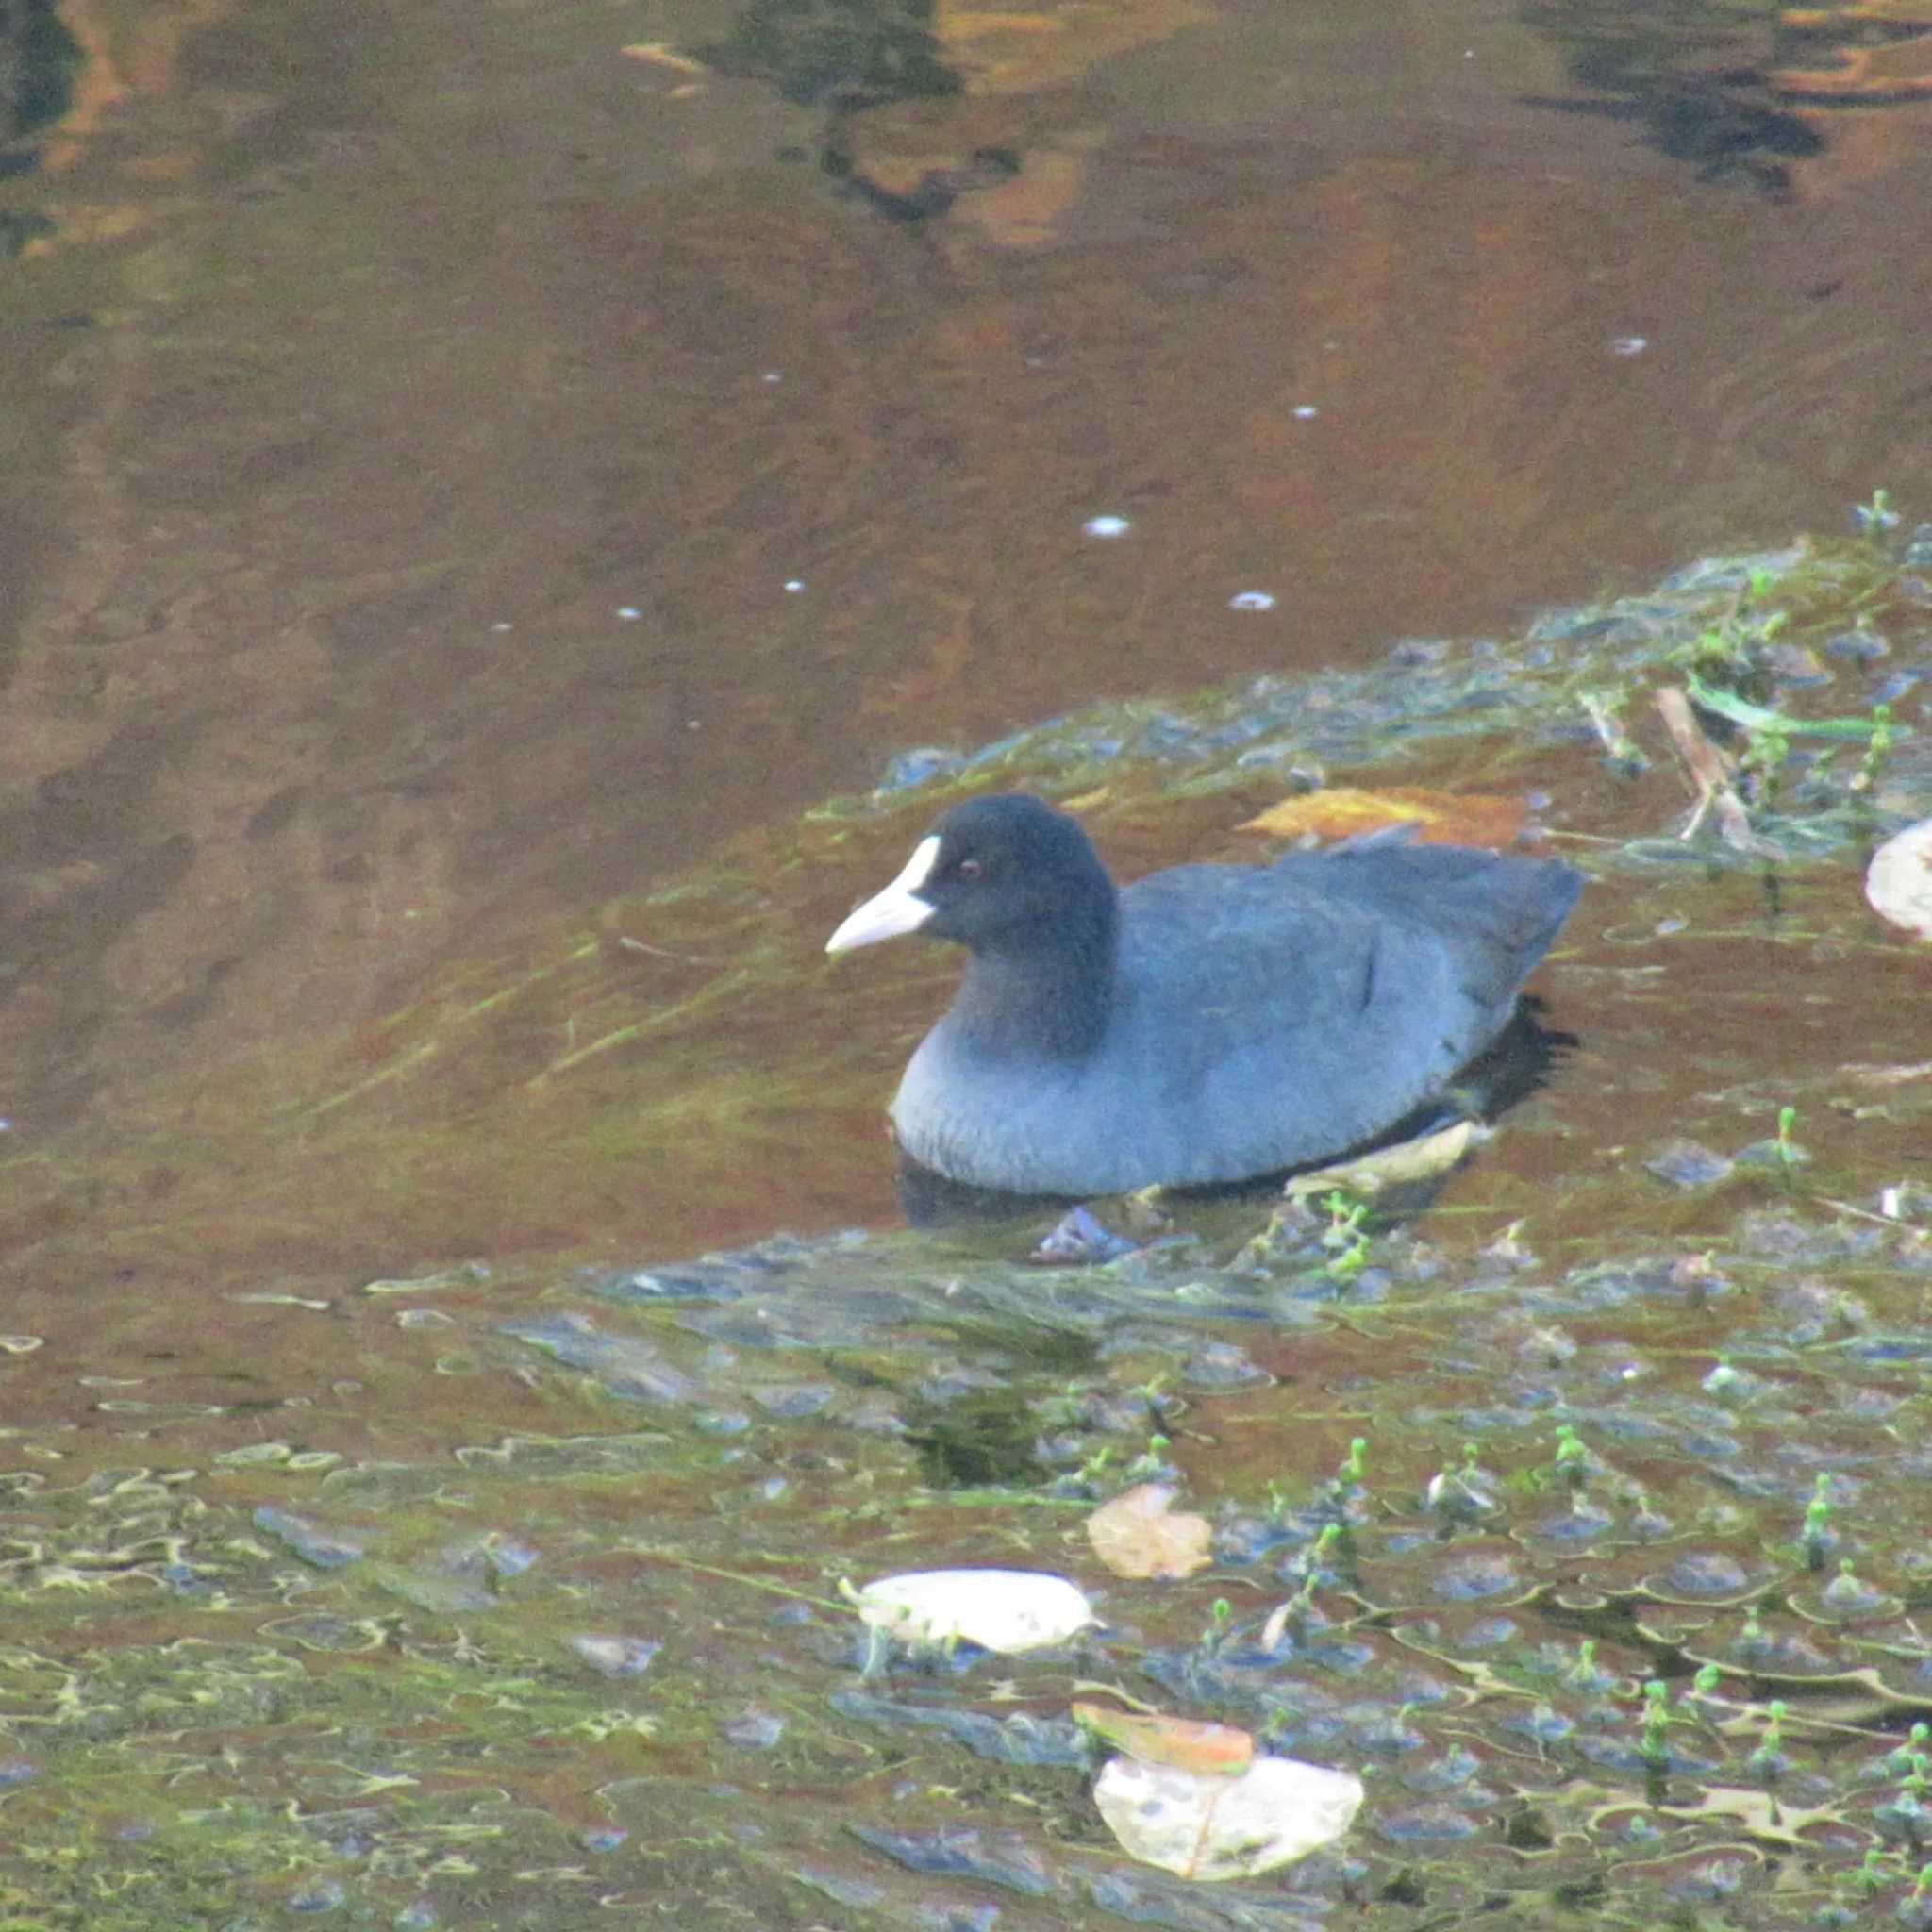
(1572, 1459)
(1584, 1670)
(1657, 1722)
(1463, 1495)
(1817, 1537)
(1730, 640)
(1220, 1624)
(1295, 1614)
(1869, 1879)
(1723, 1378)
(1788, 1153)
(1874, 518)
(1769, 1760)
(1765, 753)
(1345, 1238)
(1878, 749)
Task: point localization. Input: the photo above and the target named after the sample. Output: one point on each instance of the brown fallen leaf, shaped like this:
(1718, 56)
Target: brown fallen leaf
(1439, 818)
(1187, 1743)
(1138, 1534)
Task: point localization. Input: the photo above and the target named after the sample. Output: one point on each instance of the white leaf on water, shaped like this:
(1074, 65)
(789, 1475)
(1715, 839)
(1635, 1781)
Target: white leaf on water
(1004, 1610)
(1898, 882)
(1207, 1827)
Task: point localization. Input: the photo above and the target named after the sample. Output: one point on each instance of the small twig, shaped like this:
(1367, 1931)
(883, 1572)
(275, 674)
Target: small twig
(1710, 772)
(631, 946)
(658, 1555)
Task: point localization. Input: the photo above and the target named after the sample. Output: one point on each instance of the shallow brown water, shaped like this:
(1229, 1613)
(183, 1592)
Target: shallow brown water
(405, 735)
(428, 413)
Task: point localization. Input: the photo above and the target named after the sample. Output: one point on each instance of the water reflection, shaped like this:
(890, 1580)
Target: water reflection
(403, 564)
(1694, 78)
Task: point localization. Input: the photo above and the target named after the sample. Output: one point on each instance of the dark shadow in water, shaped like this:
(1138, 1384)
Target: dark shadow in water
(39, 60)
(1515, 1065)
(1691, 75)
(17, 226)
(938, 187)
(845, 55)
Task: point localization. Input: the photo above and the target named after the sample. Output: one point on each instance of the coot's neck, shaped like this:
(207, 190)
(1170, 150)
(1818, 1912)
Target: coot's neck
(1045, 994)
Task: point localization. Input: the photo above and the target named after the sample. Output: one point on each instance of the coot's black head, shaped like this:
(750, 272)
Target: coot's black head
(1007, 875)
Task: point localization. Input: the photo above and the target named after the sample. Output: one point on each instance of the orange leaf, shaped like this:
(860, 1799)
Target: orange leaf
(1138, 1534)
(1439, 818)
(1185, 1742)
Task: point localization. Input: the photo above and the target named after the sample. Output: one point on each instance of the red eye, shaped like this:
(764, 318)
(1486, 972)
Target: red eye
(969, 869)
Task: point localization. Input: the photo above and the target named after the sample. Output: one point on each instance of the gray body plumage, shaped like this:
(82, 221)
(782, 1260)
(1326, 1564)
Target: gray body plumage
(1252, 1019)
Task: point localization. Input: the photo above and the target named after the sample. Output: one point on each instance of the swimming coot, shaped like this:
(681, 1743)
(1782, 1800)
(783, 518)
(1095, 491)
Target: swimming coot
(1207, 1024)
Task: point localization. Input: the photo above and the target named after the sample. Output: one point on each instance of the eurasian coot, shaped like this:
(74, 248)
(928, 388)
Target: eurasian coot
(1207, 1024)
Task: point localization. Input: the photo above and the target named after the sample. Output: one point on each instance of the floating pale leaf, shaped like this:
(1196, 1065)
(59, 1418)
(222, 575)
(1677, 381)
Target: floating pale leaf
(1212, 1828)
(1439, 818)
(1407, 1161)
(1898, 882)
(1138, 1533)
(658, 55)
(1004, 1610)
(1185, 1742)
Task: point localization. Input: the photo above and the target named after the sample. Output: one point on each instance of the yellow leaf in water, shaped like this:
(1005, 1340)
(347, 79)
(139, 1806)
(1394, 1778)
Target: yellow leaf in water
(1187, 1743)
(658, 55)
(1439, 818)
(1140, 1534)
(1407, 1161)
